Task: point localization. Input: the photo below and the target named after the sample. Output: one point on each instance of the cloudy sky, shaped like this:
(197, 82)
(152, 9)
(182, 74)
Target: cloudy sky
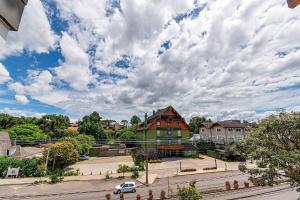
(225, 59)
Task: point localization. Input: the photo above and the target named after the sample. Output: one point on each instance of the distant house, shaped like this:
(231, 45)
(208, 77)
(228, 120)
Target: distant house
(5, 143)
(167, 132)
(224, 132)
(111, 125)
(73, 127)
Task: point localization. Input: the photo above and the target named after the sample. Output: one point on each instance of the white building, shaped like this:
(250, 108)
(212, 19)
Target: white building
(224, 132)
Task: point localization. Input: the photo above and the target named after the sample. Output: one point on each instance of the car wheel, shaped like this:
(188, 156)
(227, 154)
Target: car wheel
(133, 190)
(119, 191)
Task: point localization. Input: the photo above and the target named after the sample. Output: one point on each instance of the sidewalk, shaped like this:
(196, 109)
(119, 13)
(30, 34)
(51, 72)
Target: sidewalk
(26, 181)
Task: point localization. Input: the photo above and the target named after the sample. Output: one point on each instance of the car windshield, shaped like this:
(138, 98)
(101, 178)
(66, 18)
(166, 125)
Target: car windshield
(122, 184)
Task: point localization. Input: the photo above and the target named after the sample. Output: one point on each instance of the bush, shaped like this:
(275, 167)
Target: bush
(26, 132)
(56, 178)
(107, 175)
(261, 164)
(61, 155)
(29, 167)
(135, 174)
(189, 193)
(72, 173)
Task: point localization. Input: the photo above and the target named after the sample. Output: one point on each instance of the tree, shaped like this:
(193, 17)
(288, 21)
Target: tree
(91, 125)
(124, 122)
(53, 125)
(26, 132)
(275, 144)
(85, 142)
(6, 121)
(189, 193)
(195, 122)
(134, 121)
(128, 137)
(61, 155)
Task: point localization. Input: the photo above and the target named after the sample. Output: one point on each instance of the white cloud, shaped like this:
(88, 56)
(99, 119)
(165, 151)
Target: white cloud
(21, 99)
(19, 113)
(75, 70)
(4, 74)
(34, 33)
(238, 59)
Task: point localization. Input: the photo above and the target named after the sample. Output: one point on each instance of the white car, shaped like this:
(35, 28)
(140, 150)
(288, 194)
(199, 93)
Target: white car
(125, 187)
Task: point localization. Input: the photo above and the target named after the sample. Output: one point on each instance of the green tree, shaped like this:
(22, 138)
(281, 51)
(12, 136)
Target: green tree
(26, 132)
(195, 122)
(134, 121)
(188, 193)
(61, 155)
(85, 142)
(91, 125)
(128, 137)
(53, 125)
(275, 144)
(6, 121)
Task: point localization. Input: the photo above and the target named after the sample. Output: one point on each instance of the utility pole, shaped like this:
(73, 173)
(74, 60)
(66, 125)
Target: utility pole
(146, 147)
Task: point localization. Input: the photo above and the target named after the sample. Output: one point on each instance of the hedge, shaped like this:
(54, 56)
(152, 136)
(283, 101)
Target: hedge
(29, 167)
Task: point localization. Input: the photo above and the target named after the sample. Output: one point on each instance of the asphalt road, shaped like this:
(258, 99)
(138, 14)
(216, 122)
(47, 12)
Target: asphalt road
(204, 181)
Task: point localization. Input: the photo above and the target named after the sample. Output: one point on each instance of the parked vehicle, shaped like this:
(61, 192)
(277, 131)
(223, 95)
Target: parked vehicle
(83, 157)
(125, 187)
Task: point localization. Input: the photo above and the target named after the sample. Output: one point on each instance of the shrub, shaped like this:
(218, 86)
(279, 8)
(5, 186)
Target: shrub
(227, 185)
(55, 178)
(235, 184)
(61, 154)
(246, 184)
(135, 174)
(122, 169)
(107, 175)
(72, 173)
(261, 164)
(29, 167)
(188, 193)
(26, 132)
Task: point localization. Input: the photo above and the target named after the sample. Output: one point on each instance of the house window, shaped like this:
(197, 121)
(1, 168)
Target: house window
(169, 132)
(203, 130)
(230, 129)
(170, 142)
(218, 130)
(158, 123)
(179, 133)
(178, 124)
(158, 133)
(158, 141)
(169, 124)
(238, 130)
(179, 141)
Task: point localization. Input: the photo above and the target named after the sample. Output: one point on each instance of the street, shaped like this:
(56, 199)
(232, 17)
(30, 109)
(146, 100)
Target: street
(98, 189)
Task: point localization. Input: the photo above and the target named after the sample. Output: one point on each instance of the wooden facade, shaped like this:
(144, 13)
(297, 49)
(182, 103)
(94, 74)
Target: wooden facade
(166, 131)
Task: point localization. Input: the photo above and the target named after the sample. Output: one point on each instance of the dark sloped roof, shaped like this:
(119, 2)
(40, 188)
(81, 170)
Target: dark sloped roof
(229, 124)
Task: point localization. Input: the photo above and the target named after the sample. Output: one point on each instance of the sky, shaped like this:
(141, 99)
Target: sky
(222, 59)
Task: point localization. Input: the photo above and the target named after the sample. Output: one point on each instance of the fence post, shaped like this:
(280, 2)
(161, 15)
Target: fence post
(138, 197)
